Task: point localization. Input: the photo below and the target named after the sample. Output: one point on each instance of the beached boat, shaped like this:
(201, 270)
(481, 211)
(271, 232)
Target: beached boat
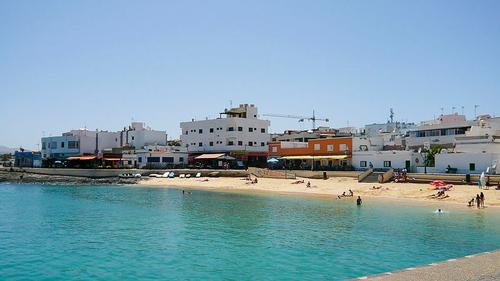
(129, 175)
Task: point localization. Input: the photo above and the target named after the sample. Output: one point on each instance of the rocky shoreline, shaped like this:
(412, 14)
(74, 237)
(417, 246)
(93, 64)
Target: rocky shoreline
(23, 177)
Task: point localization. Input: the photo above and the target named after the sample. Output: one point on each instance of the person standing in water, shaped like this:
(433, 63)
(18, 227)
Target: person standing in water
(359, 201)
(478, 201)
(482, 199)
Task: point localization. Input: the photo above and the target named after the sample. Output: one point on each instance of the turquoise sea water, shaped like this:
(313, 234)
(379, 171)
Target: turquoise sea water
(129, 233)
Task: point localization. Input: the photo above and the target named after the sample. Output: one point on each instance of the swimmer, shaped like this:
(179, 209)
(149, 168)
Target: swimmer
(359, 201)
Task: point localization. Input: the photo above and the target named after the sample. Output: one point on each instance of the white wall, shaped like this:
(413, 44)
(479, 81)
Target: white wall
(398, 159)
(461, 161)
(139, 139)
(179, 157)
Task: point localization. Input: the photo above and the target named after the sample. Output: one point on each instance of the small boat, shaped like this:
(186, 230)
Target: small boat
(129, 175)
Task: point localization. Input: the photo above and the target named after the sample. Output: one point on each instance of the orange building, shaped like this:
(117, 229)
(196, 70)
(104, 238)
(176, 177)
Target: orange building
(326, 153)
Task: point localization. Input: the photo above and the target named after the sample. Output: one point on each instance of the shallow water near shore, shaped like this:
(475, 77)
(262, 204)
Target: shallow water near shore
(129, 233)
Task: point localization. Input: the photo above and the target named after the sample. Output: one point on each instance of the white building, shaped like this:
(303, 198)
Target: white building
(475, 152)
(375, 129)
(155, 157)
(442, 131)
(467, 163)
(238, 132)
(77, 143)
(384, 160)
(84, 142)
(139, 135)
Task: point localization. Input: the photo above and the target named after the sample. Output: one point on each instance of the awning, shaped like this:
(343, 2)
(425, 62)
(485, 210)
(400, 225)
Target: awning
(82, 158)
(211, 156)
(114, 159)
(322, 157)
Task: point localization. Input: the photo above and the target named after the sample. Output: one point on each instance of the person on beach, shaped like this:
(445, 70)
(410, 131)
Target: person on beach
(351, 193)
(471, 202)
(482, 199)
(478, 201)
(308, 185)
(359, 201)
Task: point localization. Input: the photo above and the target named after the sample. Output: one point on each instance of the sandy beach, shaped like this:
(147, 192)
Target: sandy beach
(458, 195)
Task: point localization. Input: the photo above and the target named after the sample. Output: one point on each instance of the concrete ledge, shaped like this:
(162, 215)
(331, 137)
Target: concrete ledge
(479, 267)
(107, 173)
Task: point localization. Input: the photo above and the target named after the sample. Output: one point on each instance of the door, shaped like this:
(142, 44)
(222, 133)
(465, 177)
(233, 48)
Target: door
(408, 165)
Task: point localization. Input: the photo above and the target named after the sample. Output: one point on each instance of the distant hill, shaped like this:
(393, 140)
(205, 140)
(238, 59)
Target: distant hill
(5, 149)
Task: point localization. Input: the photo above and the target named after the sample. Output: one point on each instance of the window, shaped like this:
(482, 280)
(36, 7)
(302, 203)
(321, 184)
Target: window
(200, 144)
(240, 129)
(133, 138)
(200, 131)
(240, 143)
(167, 159)
(262, 144)
(262, 130)
(362, 164)
(43, 145)
(139, 159)
(317, 146)
(53, 145)
(153, 159)
(343, 147)
(73, 144)
(274, 149)
(62, 144)
(329, 147)
(472, 166)
(211, 130)
(387, 164)
(250, 143)
(187, 132)
(181, 159)
(230, 143)
(230, 129)
(211, 143)
(250, 130)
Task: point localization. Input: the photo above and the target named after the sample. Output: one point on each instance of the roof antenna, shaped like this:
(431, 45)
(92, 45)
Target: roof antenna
(391, 115)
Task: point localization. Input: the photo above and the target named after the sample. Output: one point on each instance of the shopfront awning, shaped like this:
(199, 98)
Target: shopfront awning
(114, 159)
(322, 157)
(211, 156)
(82, 158)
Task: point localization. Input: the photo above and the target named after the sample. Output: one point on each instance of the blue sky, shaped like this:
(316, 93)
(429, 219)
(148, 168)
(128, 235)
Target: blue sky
(100, 64)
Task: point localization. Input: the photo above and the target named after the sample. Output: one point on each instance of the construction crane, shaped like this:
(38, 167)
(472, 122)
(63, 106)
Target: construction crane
(312, 118)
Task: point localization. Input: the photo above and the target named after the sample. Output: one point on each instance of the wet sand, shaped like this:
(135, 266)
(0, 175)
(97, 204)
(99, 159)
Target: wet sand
(333, 187)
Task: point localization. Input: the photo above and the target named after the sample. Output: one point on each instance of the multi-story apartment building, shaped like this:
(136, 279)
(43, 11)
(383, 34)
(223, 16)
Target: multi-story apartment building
(84, 142)
(238, 132)
(441, 131)
(77, 143)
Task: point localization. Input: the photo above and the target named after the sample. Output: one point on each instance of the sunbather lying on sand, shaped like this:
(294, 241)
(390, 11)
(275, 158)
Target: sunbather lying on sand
(297, 182)
(439, 194)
